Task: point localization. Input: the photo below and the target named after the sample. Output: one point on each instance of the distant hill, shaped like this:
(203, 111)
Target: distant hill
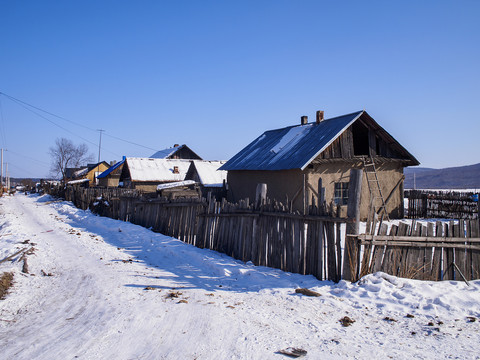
(462, 177)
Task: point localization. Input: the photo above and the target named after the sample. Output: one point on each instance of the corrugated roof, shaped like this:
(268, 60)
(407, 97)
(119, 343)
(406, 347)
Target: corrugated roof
(165, 153)
(292, 147)
(161, 170)
(209, 174)
(110, 169)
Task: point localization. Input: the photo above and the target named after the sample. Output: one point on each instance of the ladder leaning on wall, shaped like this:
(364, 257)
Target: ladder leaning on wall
(376, 197)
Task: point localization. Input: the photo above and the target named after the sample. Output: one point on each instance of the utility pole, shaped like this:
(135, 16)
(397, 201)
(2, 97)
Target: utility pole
(1, 170)
(100, 143)
(7, 177)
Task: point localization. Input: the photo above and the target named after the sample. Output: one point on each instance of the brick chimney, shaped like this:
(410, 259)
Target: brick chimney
(319, 116)
(304, 120)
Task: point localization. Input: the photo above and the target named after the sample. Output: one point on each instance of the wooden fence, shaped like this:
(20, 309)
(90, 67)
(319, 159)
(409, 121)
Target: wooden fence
(444, 205)
(268, 234)
(435, 251)
(265, 233)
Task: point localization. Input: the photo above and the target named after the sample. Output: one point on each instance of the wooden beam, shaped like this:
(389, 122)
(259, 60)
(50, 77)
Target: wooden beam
(351, 255)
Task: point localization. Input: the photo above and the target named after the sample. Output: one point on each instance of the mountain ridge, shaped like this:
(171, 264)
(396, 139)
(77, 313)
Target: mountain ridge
(459, 177)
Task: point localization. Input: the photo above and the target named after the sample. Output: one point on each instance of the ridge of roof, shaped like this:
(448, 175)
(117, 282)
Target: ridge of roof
(292, 147)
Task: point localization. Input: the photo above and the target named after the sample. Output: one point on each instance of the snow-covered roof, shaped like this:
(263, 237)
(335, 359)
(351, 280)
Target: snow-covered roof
(175, 184)
(209, 174)
(81, 172)
(80, 181)
(161, 170)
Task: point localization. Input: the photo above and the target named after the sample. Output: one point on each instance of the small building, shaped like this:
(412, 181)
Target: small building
(111, 176)
(90, 172)
(311, 162)
(209, 177)
(69, 173)
(176, 152)
(146, 173)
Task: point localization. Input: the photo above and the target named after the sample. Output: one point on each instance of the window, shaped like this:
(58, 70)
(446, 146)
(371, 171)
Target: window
(340, 196)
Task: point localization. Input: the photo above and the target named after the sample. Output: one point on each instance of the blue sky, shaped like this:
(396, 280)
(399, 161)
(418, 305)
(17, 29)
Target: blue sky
(216, 74)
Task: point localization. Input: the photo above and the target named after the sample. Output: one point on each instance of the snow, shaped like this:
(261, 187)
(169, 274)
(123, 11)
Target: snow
(175, 184)
(290, 138)
(209, 174)
(79, 181)
(81, 172)
(147, 169)
(111, 294)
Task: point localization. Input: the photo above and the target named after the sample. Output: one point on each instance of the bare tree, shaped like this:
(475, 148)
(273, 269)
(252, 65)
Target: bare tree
(65, 154)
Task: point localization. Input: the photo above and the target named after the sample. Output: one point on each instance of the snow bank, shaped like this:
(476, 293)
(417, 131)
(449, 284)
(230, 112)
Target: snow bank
(120, 291)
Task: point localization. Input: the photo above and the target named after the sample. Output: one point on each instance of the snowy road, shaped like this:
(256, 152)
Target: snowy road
(120, 291)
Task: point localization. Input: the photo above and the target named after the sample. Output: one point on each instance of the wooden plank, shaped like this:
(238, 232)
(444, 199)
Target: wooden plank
(351, 259)
(475, 232)
(420, 239)
(338, 249)
(414, 258)
(428, 262)
(400, 263)
(378, 252)
(331, 256)
(468, 252)
(460, 254)
(388, 258)
(320, 250)
(448, 268)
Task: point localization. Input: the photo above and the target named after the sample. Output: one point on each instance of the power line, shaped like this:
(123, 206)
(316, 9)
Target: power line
(45, 111)
(24, 104)
(28, 157)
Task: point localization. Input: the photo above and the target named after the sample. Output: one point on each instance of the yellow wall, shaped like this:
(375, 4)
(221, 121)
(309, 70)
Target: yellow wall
(97, 169)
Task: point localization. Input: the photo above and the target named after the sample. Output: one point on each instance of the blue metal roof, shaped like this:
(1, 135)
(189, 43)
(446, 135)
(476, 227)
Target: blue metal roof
(165, 153)
(292, 147)
(110, 169)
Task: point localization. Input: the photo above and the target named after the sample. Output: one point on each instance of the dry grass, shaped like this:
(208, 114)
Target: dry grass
(6, 281)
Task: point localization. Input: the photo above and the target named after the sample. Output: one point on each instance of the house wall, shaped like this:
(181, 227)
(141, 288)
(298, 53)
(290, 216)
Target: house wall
(388, 174)
(280, 184)
(97, 169)
(111, 180)
(144, 186)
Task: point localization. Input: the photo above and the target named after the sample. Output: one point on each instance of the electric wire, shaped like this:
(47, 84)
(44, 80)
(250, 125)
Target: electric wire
(21, 103)
(18, 101)
(28, 157)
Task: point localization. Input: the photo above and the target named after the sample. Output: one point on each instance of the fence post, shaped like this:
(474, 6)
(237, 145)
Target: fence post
(261, 194)
(351, 255)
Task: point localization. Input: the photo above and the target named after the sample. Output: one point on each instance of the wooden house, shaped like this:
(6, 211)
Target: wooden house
(111, 176)
(69, 174)
(176, 152)
(209, 177)
(90, 172)
(311, 162)
(146, 173)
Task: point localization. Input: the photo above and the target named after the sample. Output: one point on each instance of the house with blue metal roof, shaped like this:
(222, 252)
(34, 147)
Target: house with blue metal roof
(310, 164)
(176, 152)
(111, 176)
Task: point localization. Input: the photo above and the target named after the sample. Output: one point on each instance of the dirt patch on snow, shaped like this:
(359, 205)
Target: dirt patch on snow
(6, 281)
